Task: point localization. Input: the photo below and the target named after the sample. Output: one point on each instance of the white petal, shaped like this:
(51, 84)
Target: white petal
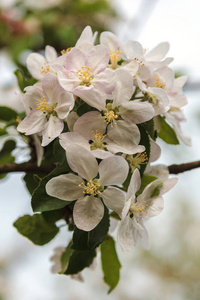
(136, 112)
(168, 185)
(155, 207)
(140, 234)
(50, 53)
(82, 161)
(33, 123)
(89, 123)
(68, 138)
(65, 187)
(124, 134)
(124, 235)
(98, 59)
(34, 63)
(124, 87)
(88, 212)
(155, 151)
(39, 149)
(98, 153)
(52, 129)
(134, 184)
(71, 120)
(114, 199)
(113, 170)
(158, 52)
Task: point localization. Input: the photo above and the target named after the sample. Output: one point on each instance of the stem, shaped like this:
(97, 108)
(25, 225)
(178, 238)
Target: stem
(176, 169)
(27, 167)
(30, 167)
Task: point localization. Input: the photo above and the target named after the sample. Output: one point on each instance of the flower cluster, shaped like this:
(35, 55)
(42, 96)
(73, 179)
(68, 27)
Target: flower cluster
(107, 104)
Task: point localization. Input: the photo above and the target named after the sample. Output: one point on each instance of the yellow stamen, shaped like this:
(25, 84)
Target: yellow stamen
(44, 106)
(137, 160)
(45, 69)
(65, 51)
(85, 75)
(159, 83)
(115, 57)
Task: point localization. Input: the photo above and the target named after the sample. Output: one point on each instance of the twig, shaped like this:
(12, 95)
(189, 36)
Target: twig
(176, 169)
(27, 167)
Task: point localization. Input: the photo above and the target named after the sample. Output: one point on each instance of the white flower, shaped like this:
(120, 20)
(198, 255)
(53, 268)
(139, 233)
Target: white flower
(85, 74)
(49, 104)
(39, 65)
(148, 204)
(87, 188)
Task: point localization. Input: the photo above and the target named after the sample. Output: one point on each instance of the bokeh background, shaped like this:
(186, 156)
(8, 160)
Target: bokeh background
(171, 269)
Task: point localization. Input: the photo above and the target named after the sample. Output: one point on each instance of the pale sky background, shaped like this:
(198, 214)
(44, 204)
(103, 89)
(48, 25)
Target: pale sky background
(29, 277)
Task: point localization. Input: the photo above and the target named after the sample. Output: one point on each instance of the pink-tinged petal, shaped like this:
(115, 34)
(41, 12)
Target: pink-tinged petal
(65, 187)
(131, 67)
(115, 148)
(34, 63)
(114, 199)
(167, 76)
(134, 184)
(105, 81)
(101, 154)
(136, 112)
(168, 185)
(33, 123)
(89, 123)
(158, 52)
(155, 207)
(52, 129)
(124, 235)
(31, 96)
(94, 97)
(71, 120)
(50, 53)
(155, 151)
(88, 212)
(162, 102)
(124, 134)
(65, 103)
(124, 87)
(68, 138)
(113, 170)
(140, 234)
(51, 87)
(68, 81)
(82, 161)
(86, 36)
(75, 59)
(98, 59)
(133, 49)
(110, 40)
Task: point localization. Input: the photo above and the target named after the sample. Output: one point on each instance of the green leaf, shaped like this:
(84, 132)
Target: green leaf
(167, 133)
(99, 233)
(144, 140)
(149, 127)
(80, 260)
(146, 179)
(41, 201)
(80, 240)
(36, 229)
(31, 182)
(156, 191)
(22, 80)
(3, 132)
(110, 263)
(53, 215)
(5, 154)
(7, 114)
(65, 258)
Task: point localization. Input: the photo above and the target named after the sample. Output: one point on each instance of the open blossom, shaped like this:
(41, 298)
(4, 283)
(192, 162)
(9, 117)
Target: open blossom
(148, 204)
(39, 65)
(49, 104)
(85, 74)
(88, 188)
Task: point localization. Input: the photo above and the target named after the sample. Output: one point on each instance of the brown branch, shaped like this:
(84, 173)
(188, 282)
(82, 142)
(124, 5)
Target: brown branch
(30, 167)
(176, 169)
(27, 167)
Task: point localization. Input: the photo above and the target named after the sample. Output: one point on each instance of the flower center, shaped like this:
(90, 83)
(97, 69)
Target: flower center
(44, 106)
(159, 83)
(65, 51)
(115, 57)
(139, 208)
(85, 76)
(136, 160)
(98, 141)
(92, 187)
(45, 68)
(110, 115)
